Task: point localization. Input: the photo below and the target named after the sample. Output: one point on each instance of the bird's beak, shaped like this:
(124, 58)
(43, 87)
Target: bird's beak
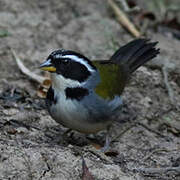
(47, 66)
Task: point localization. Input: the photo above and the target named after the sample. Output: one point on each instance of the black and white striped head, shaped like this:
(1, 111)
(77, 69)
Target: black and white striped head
(70, 65)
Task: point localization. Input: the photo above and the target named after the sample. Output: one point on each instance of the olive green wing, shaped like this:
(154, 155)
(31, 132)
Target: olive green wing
(113, 79)
(115, 72)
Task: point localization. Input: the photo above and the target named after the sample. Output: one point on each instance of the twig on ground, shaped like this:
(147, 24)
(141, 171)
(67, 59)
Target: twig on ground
(26, 71)
(166, 82)
(153, 152)
(98, 154)
(151, 130)
(17, 123)
(86, 175)
(123, 132)
(158, 170)
(172, 124)
(123, 19)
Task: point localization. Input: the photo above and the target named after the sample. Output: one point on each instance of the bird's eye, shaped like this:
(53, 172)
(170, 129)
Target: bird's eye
(65, 61)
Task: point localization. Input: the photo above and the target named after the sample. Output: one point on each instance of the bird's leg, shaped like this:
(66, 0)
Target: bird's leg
(107, 141)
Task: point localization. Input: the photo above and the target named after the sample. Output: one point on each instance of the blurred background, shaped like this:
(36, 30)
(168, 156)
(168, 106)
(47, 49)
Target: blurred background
(31, 30)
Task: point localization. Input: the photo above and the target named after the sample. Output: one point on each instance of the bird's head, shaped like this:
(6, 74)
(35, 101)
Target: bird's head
(68, 68)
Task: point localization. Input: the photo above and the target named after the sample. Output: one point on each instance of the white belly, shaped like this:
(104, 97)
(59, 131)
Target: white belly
(74, 115)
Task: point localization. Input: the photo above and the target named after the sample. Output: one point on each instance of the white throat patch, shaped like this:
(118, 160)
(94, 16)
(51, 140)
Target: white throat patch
(61, 83)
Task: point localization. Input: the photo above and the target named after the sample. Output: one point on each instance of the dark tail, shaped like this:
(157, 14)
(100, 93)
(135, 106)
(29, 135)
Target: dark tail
(135, 53)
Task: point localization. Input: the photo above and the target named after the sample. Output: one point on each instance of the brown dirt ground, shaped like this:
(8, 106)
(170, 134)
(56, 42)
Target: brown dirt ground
(28, 136)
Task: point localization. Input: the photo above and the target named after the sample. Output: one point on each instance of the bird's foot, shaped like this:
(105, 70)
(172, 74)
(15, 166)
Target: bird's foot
(107, 144)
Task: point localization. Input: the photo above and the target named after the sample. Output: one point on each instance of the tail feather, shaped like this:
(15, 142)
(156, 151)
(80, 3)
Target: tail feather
(149, 55)
(132, 47)
(135, 54)
(142, 56)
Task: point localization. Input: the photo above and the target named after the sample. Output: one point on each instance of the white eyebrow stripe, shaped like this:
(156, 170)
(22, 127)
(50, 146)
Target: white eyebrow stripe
(80, 60)
(58, 56)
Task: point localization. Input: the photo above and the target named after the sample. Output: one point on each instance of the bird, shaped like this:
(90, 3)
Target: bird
(86, 96)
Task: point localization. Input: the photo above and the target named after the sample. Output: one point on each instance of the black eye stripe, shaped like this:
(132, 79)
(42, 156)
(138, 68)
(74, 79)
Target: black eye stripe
(74, 70)
(65, 61)
(58, 61)
(76, 66)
